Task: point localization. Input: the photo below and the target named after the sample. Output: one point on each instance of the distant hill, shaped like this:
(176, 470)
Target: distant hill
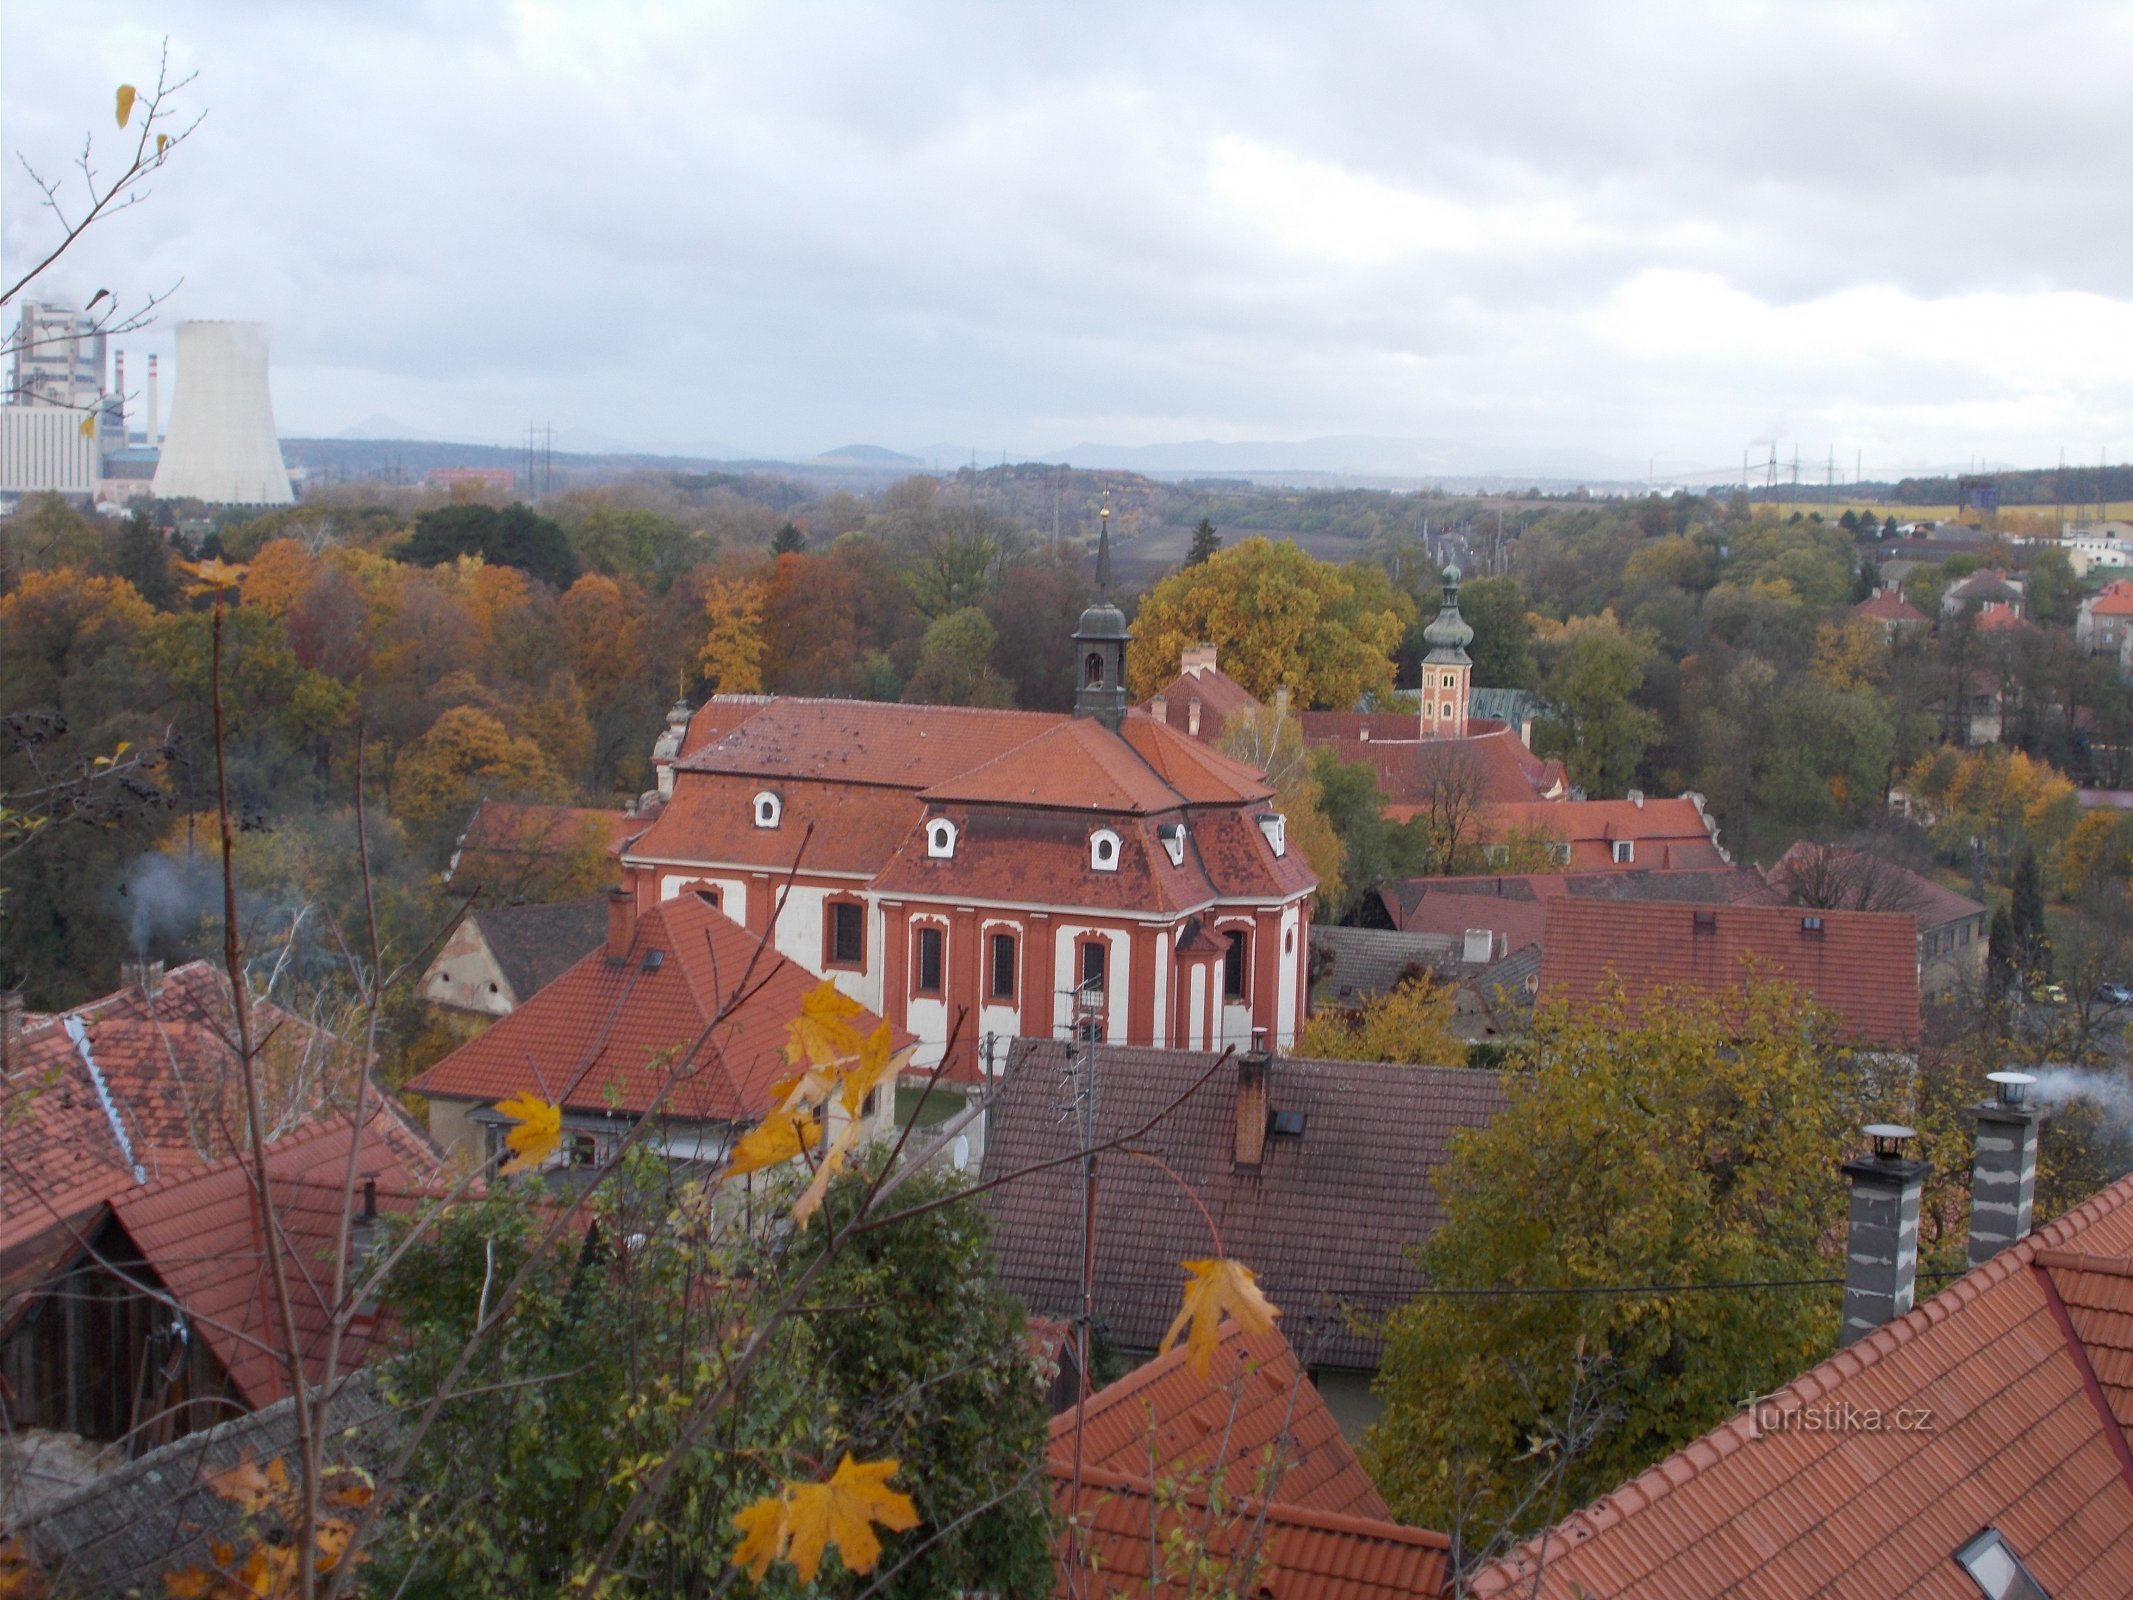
(870, 455)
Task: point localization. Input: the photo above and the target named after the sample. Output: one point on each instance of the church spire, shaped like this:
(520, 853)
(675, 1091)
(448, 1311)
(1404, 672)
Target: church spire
(1101, 640)
(1447, 671)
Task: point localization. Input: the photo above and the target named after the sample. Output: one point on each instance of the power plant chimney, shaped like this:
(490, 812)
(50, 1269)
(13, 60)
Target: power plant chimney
(155, 436)
(222, 446)
(1881, 1244)
(118, 390)
(2003, 1174)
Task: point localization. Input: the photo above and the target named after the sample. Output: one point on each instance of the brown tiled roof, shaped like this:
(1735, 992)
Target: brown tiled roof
(866, 741)
(719, 716)
(534, 945)
(1074, 765)
(1515, 904)
(600, 1038)
(1042, 858)
(1933, 904)
(1303, 1554)
(712, 818)
(200, 1231)
(1887, 607)
(1861, 966)
(1325, 1221)
(1255, 1414)
(2022, 1435)
(504, 838)
(1219, 695)
(1203, 775)
(1510, 773)
(172, 1080)
(1670, 835)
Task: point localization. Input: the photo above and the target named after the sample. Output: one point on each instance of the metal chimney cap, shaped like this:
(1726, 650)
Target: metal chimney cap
(2013, 1086)
(1889, 1139)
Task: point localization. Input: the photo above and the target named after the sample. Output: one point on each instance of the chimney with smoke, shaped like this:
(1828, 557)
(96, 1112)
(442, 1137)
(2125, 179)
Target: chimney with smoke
(1881, 1243)
(2003, 1173)
(140, 973)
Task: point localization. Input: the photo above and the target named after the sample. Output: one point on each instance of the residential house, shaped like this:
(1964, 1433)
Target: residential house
(513, 851)
(150, 1312)
(1511, 909)
(2105, 620)
(1976, 1446)
(497, 959)
(1490, 982)
(1951, 926)
(1891, 612)
(1861, 967)
(1988, 586)
(1248, 1462)
(1002, 867)
(1201, 697)
(678, 1016)
(1675, 835)
(1318, 1174)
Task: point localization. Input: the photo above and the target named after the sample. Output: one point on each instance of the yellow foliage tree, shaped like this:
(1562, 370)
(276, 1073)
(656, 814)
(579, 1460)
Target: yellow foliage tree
(468, 754)
(1270, 740)
(1281, 619)
(277, 576)
(1411, 1023)
(1849, 655)
(732, 653)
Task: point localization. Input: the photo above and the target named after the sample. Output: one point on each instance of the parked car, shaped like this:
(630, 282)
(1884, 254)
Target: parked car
(2115, 994)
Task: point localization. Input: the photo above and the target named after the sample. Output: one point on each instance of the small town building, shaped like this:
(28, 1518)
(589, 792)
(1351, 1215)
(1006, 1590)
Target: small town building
(1891, 612)
(497, 959)
(2105, 619)
(1951, 926)
(1990, 586)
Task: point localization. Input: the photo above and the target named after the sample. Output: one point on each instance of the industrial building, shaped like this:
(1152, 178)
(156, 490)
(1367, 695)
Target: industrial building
(222, 447)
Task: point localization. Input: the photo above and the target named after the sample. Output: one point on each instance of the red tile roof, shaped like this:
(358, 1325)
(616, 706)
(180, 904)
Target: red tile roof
(1203, 775)
(1861, 966)
(1515, 905)
(712, 818)
(504, 838)
(200, 1232)
(603, 1037)
(1933, 904)
(1294, 1553)
(1671, 835)
(866, 741)
(2024, 1436)
(1075, 765)
(1255, 1414)
(2115, 599)
(1997, 616)
(1509, 772)
(1219, 695)
(173, 1086)
(1885, 606)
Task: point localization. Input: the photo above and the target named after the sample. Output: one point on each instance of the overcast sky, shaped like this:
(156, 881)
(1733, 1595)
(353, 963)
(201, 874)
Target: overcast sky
(1535, 235)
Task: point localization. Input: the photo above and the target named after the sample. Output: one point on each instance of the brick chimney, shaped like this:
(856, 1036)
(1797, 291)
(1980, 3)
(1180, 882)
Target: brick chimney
(1159, 708)
(1881, 1243)
(142, 974)
(1196, 659)
(621, 923)
(2003, 1174)
(1252, 1069)
(10, 1030)
(1192, 716)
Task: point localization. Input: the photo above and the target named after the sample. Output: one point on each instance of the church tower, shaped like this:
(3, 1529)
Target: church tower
(1101, 642)
(1447, 671)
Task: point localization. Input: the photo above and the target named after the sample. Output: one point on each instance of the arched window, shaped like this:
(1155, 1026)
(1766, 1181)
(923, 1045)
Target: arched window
(1103, 850)
(768, 808)
(940, 837)
(1093, 669)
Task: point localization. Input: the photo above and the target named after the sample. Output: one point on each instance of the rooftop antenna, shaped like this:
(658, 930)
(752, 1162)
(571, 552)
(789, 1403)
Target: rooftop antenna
(1103, 548)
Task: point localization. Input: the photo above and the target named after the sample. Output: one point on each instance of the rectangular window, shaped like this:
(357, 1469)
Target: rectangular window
(929, 962)
(1234, 963)
(848, 934)
(1625, 850)
(1094, 955)
(1003, 967)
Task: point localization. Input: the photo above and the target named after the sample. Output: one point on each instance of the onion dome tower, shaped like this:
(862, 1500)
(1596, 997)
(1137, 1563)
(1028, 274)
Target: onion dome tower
(1102, 639)
(1447, 671)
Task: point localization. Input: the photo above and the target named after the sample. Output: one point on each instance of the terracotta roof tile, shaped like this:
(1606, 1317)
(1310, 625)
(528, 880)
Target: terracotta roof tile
(2115, 599)
(1256, 1412)
(1886, 607)
(866, 741)
(1201, 774)
(1509, 772)
(505, 839)
(1515, 905)
(1218, 693)
(1861, 966)
(598, 1039)
(1933, 904)
(1077, 765)
(1304, 1554)
(711, 819)
(1325, 1221)
(2020, 1441)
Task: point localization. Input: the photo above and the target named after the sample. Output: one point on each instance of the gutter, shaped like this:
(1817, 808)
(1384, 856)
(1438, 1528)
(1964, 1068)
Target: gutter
(80, 1036)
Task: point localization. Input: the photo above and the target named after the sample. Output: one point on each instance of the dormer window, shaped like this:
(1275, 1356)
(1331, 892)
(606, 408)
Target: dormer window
(1103, 850)
(768, 809)
(940, 838)
(1173, 836)
(1276, 828)
(1625, 852)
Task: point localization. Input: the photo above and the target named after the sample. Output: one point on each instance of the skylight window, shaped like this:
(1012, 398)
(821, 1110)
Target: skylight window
(1996, 1570)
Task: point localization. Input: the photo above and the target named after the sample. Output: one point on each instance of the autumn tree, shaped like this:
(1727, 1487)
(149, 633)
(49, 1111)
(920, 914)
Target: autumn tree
(1593, 722)
(466, 756)
(1269, 740)
(955, 664)
(732, 653)
(1410, 1022)
(1695, 1145)
(1281, 619)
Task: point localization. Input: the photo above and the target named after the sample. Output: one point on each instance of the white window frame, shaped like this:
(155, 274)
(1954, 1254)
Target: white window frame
(767, 808)
(940, 838)
(1104, 848)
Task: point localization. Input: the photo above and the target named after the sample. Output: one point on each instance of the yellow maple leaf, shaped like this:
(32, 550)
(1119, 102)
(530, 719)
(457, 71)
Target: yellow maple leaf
(842, 1512)
(828, 1167)
(777, 1138)
(211, 577)
(245, 1486)
(1214, 1290)
(537, 1130)
(877, 1060)
(188, 1583)
(823, 1030)
(127, 94)
(764, 1532)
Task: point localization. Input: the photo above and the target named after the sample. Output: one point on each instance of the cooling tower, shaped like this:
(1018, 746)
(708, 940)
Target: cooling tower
(222, 446)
